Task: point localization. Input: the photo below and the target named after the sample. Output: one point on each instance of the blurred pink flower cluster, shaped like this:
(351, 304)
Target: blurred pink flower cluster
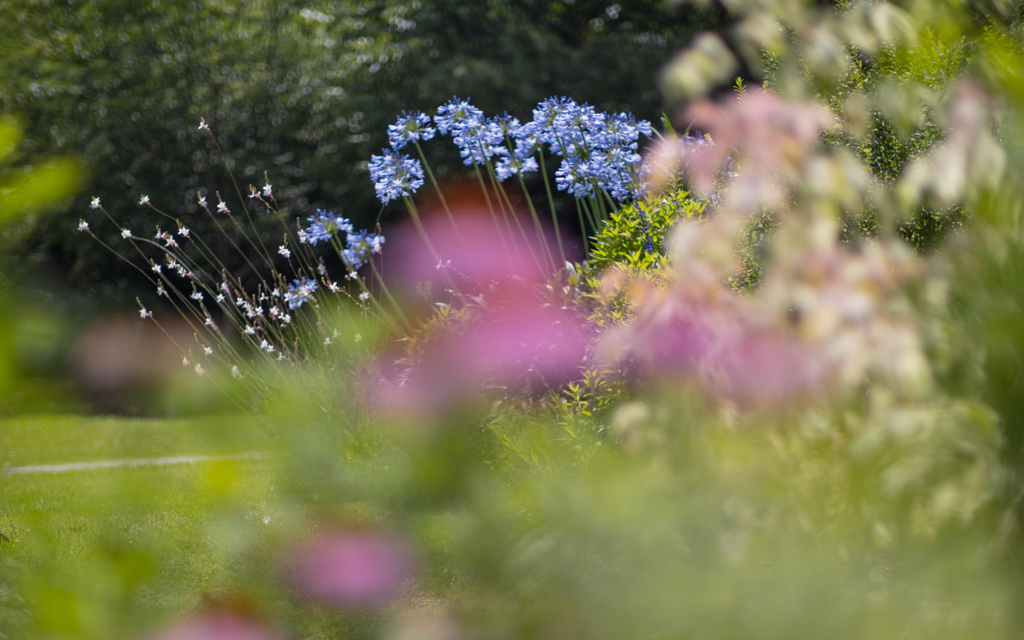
(512, 331)
(827, 314)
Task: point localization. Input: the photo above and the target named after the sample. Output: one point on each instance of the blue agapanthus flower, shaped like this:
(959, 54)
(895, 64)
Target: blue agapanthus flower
(395, 175)
(455, 115)
(299, 292)
(324, 225)
(411, 127)
(360, 248)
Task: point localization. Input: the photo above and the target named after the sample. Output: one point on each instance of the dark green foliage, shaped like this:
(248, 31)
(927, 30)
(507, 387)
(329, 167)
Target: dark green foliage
(752, 247)
(300, 91)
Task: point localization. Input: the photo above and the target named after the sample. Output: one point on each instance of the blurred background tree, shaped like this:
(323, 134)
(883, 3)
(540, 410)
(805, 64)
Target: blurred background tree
(299, 92)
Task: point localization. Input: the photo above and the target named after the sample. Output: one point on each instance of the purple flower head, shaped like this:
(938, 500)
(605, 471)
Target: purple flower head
(456, 115)
(324, 225)
(351, 569)
(547, 115)
(410, 127)
(575, 176)
(360, 248)
(510, 165)
(299, 292)
(395, 175)
(479, 141)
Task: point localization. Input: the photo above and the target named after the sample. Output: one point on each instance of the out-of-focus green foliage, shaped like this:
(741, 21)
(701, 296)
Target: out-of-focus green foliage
(301, 93)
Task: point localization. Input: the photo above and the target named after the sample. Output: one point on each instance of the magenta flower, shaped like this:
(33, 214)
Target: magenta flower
(725, 353)
(350, 569)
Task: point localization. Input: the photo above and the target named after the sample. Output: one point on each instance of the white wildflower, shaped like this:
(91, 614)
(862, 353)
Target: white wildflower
(222, 207)
(283, 250)
(184, 361)
(144, 200)
(202, 125)
(268, 190)
(235, 373)
(358, 337)
(145, 313)
(200, 370)
(83, 225)
(364, 296)
(95, 203)
(250, 330)
(126, 233)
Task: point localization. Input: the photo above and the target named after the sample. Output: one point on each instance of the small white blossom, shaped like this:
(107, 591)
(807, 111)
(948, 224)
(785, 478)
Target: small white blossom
(144, 313)
(202, 125)
(184, 362)
(144, 200)
(200, 370)
(183, 232)
(95, 203)
(249, 330)
(196, 295)
(202, 201)
(266, 346)
(321, 269)
(364, 296)
(333, 287)
(235, 373)
(220, 297)
(160, 291)
(83, 225)
(222, 207)
(302, 236)
(126, 233)
(327, 341)
(276, 292)
(209, 322)
(207, 350)
(283, 250)
(358, 337)
(268, 190)
(156, 268)
(266, 519)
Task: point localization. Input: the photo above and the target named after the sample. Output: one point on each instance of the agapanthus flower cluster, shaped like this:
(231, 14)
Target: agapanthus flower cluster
(299, 292)
(324, 225)
(599, 151)
(360, 247)
(395, 175)
(411, 127)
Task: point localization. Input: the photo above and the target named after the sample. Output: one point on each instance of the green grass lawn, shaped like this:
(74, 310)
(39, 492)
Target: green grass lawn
(112, 552)
(92, 551)
(32, 440)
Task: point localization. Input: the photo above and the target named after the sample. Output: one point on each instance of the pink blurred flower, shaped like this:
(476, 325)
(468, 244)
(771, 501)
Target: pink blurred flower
(218, 625)
(351, 569)
(728, 356)
(522, 343)
(769, 136)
